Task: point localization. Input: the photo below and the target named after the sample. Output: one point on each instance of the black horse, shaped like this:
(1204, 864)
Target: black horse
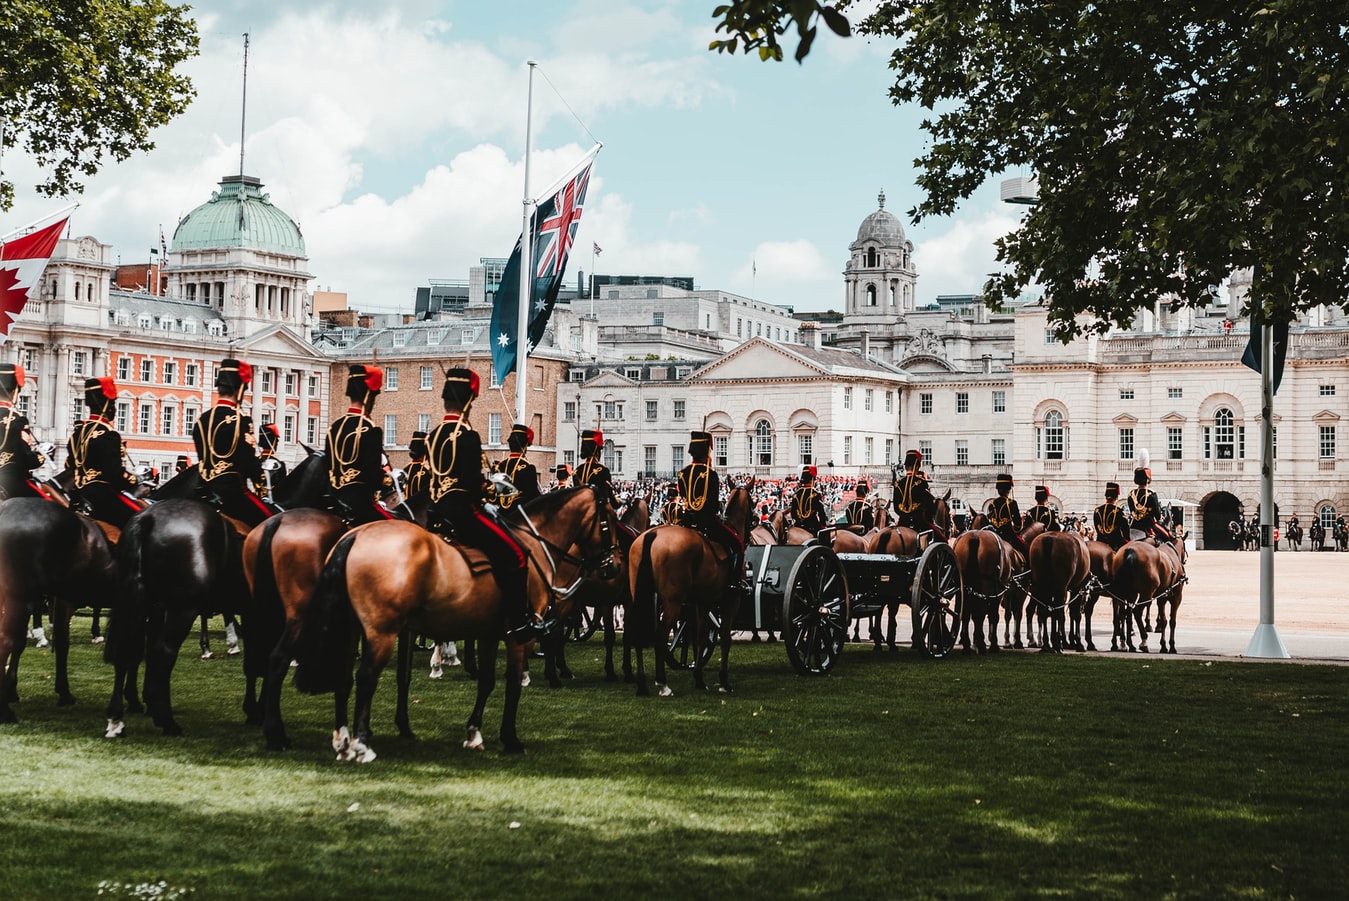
(46, 551)
(1317, 534)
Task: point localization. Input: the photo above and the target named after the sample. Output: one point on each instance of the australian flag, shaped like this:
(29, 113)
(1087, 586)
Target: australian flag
(1251, 357)
(554, 230)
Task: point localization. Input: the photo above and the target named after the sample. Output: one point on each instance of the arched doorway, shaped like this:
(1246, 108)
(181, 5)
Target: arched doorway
(1220, 509)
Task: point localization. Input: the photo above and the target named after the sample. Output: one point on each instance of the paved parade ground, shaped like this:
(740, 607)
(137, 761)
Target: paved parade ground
(1221, 608)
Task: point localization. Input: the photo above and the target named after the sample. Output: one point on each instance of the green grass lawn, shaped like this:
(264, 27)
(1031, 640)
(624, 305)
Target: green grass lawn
(1016, 775)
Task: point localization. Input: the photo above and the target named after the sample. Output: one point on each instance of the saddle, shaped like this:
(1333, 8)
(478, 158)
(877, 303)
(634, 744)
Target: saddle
(476, 560)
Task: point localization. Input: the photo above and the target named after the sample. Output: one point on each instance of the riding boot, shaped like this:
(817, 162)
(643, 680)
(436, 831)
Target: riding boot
(526, 624)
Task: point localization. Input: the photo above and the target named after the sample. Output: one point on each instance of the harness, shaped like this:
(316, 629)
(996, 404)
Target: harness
(583, 565)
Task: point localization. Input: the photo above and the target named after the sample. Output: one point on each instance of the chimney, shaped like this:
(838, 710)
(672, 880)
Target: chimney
(590, 334)
(988, 364)
(866, 343)
(810, 335)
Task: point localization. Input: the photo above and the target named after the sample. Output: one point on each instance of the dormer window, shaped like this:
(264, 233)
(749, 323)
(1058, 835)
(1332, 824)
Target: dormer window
(143, 320)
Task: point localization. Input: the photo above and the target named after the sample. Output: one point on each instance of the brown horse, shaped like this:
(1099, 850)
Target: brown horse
(441, 591)
(1059, 567)
(46, 551)
(991, 568)
(675, 570)
(902, 541)
(1102, 560)
(1145, 572)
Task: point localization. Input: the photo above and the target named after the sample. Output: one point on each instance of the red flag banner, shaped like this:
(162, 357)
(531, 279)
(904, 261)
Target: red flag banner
(22, 260)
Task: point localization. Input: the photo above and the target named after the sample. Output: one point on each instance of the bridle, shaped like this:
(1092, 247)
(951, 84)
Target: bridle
(605, 565)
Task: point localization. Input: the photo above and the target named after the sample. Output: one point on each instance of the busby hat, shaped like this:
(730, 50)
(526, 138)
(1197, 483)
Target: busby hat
(1041, 493)
(1111, 490)
(11, 377)
(591, 439)
(417, 446)
(912, 459)
(700, 438)
(461, 386)
(562, 471)
(521, 437)
(363, 380)
(1142, 474)
(1004, 483)
(182, 462)
(807, 474)
(269, 435)
(99, 392)
(862, 489)
(672, 491)
(232, 374)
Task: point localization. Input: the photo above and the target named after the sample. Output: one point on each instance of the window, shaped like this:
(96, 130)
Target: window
(190, 375)
(679, 410)
(390, 379)
(962, 402)
(492, 380)
(683, 372)
(999, 451)
(739, 328)
(1175, 393)
(721, 448)
(576, 375)
(1049, 336)
(268, 382)
(1220, 438)
(962, 452)
(123, 368)
(390, 429)
(657, 318)
(170, 372)
(1327, 515)
(293, 383)
(847, 450)
(889, 451)
(613, 410)
(925, 403)
(1327, 391)
(428, 378)
(493, 428)
(288, 428)
(123, 418)
(1051, 441)
(147, 369)
(190, 420)
(1327, 442)
(868, 450)
(569, 411)
(889, 401)
(847, 398)
(1126, 444)
(651, 409)
(424, 422)
(868, 403)
(311, 430)
(167, 417)
(468, 336)
(925, 448)
(805, 449)
(79, 362)
(999, 401)
(648, 460)
(147, 412)
(1126, 394)
(400, 339)
(633, 373)
(313, 386)
(763, 443)
(676, 457)
(1175, 443)
(76, 407)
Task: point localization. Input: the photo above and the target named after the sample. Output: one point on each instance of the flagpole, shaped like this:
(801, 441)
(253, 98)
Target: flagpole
(33, 226)
(1266, 642)
(526, 263)
(592, 278)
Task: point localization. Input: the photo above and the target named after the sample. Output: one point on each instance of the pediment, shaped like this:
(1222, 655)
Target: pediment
(1124, 420)
(610, 379)
(756, 360)
(926, 363)
(281, 341)
(1326, 416)
(1173, 418)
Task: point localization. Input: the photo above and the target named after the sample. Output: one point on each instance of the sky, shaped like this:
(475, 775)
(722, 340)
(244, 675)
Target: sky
(394, 135)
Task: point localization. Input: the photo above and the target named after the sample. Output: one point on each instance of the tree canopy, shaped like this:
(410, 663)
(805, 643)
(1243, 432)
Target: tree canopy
(757, 25)
(1174, 143)
(86, 80)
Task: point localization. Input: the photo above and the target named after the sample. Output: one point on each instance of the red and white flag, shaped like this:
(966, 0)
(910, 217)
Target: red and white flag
(22, 260)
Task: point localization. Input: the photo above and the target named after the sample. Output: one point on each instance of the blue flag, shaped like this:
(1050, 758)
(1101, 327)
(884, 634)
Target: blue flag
(554, 229)
(1251, 356)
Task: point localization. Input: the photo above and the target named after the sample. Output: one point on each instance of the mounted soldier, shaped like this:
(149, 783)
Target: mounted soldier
(18, 456)
(807, 504)
(591, 471)
(181, 465)
(455, 464)
(700, 488)
(1110, 522)
(673, 508)
(224, 440)
(355, 450)
(915, 507)
(520, 471)
(417, 471)
(1145, 510)
(562, 475)
(859, 512)
(1042, 512)
(269, 439)
(1004, 516)
(94, 452)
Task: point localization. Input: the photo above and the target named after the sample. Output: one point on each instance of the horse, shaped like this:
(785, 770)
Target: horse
(674, 570)
(1144, 572)
(904, 542)
(990, 568)
(1341, 535)
(1059, 566)
(177, 559)
(1317, 534)
(1101, 559)
(46, 551)
(442, 591)
(1294, 536)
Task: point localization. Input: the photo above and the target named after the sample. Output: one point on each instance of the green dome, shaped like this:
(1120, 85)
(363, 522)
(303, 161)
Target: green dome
(239, 215)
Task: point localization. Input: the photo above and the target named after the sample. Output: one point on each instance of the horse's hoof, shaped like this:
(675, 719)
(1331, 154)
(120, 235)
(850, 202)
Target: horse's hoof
(725, 689)
(755, 639)
(279, 744)
(234, 650)
(612, 677)
(664, 691)
(171, 729)
(206, 655)
(65, 701)
(1019, 646)
(513, 747)
(643, 691)
(97, 639)
(554, 683)
(253, 719)
(8, 716)
(406, 734)
(436, 673)
(994, 649)
(116, 729)
(474, 741)
(524, 680)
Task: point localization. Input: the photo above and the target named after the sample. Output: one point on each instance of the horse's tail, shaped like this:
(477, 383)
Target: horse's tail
(324, 648)
(124, 641)
(640, 616)
(266, 616)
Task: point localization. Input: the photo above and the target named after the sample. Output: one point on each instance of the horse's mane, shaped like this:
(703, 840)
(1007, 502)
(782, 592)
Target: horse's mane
(550, 503)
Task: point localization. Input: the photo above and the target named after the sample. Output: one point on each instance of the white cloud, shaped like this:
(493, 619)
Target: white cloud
(959, 260)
